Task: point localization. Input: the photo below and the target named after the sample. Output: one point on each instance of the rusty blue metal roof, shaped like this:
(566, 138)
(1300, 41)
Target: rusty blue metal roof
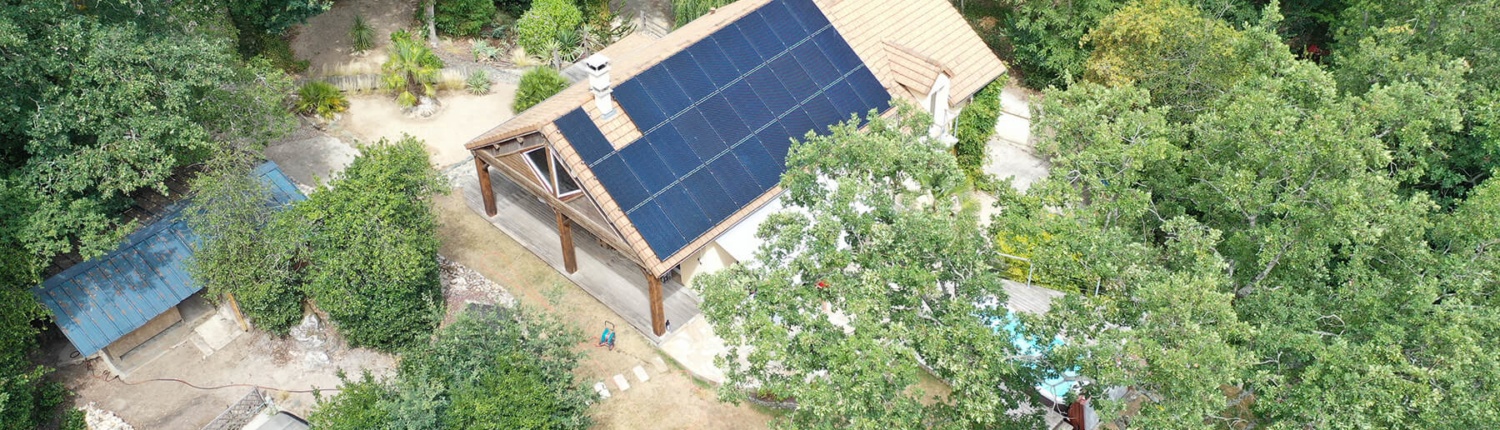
(99, 301)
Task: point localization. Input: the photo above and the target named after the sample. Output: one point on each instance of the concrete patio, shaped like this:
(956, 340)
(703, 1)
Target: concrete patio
(606, 274)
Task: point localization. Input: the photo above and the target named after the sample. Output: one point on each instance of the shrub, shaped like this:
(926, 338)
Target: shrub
(500, 369)
(513, 7)
(362, 36)
(478, 82)
(685, 11)
(412, 69)
(974, 126)
(484, 51)
(278, 51)
(248, 247)
(545, 22)
(372, 242)
(536, 85)
(321, 99)
(463, 17)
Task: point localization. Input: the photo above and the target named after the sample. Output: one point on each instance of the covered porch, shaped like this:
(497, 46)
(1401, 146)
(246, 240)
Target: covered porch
(555, 237)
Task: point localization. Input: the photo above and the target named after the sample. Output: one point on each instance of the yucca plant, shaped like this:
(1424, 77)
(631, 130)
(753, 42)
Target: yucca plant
(412, 71)
(478, 82)
(321, 99)
(361, 35)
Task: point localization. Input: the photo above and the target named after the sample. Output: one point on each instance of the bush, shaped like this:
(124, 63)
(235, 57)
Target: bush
(478, 82)
(484, 51)
(545, 22)
(248, 247)
(362, 36)
(500, 369)
(463, 17)
(685, 11)
(321, 99)
(974, 126)
(278, 51)
(536, 85)
(372, 242)
(513, 7)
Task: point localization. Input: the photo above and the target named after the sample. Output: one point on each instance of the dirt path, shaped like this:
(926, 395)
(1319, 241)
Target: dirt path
(324, 39)
(670, 400)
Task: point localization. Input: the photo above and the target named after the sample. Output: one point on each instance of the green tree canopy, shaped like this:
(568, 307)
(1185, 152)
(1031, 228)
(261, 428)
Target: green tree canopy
(491, 369)
(872, 273)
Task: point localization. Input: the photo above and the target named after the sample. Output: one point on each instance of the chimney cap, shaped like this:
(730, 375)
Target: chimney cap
(596, 62)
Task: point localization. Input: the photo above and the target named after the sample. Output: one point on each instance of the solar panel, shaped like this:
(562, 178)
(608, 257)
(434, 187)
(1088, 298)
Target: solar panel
(621, 183)
(837, 50)
(822, 112)
(735, 179)
(632, 96)
(725, 120)
(760, 35)
(673, 150)
(770, 91)
(685, 71)
(734, 44)
(753, 155)
(664, 90)
(807, 13)
(783, 26)
(748, 105)
(683, 212)
(585, 137)
(818, 68)
(648, 167)
(654, 226)
(718, 119)
(713, 61)
(711, 197)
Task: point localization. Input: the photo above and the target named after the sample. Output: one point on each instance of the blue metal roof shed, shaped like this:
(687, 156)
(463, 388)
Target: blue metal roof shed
(101, 300)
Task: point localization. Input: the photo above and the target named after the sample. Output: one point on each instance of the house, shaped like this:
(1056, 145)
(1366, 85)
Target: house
(671, 150)
(112, 304)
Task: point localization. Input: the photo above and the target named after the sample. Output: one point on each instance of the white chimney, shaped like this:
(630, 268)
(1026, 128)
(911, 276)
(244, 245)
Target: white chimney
(597, 66)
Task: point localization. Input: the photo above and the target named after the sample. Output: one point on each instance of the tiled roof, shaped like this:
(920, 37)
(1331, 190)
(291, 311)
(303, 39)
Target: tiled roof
(928, 28)
(644, 220)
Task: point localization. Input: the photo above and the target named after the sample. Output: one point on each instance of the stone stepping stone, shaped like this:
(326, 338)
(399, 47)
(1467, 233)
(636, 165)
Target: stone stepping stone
(621, 382)
(599, 388)
(640, 374)
(661, 366)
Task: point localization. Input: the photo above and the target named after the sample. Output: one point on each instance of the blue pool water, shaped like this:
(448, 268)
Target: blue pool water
(1055, 388)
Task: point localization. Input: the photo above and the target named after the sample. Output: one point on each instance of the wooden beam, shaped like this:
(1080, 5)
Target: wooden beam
(658, 312)
(485, 189)
(565, 232)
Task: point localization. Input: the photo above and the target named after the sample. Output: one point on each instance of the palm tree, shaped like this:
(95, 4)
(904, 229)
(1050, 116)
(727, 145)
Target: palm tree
(412, 71)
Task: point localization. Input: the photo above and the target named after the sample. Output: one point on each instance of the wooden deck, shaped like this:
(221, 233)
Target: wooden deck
(605, 273)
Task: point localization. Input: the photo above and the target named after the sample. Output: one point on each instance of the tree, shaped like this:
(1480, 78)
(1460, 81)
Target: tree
(274, 16)
(412, 71)
(491, 369)
(974, 126)
(372, 246)
(547, 21)
(1181, 55)
(685, 11)
(247, 248)
(537, 85)
(870, 275)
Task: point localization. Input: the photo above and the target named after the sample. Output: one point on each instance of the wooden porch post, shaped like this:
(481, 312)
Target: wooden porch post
(658, 313)
(485, 189)
(565, 232)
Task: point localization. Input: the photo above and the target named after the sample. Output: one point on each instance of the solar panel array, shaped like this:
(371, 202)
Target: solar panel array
(717, 119)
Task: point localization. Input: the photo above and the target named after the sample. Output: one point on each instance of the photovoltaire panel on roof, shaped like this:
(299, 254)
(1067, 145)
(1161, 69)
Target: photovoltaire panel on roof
(718, 118)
